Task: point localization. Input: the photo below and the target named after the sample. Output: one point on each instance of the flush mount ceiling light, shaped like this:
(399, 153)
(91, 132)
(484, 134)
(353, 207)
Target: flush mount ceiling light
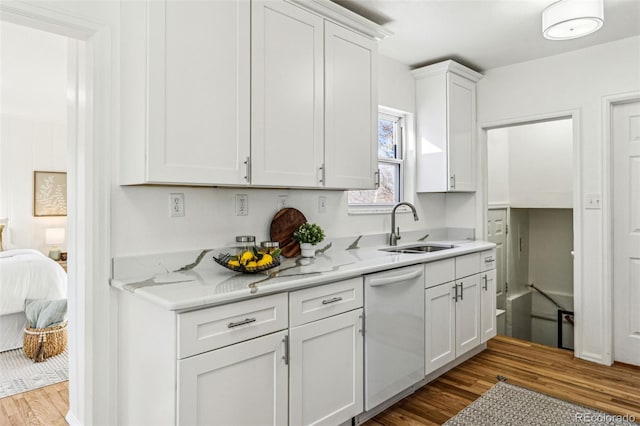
(567, 19)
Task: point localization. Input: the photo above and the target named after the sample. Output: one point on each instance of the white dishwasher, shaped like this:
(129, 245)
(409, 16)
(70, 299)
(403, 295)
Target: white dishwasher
(394, 334)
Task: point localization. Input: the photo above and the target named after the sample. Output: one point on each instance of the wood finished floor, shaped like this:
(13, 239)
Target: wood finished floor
(551, 371)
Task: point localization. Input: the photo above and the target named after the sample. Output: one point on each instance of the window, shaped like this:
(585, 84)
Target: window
(390, 165)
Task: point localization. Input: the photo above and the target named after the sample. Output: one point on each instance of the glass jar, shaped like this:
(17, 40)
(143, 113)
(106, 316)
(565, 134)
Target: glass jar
(245, 243)
(269, 246)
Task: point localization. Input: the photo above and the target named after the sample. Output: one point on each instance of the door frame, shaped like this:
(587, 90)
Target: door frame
(608, 102)
(91, 304)
(482, 199)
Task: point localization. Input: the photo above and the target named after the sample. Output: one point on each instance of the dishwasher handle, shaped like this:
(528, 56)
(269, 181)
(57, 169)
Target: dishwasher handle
(395, 279)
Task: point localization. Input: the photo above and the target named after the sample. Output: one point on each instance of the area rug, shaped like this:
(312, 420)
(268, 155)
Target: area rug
(507, 404)
(20, 374)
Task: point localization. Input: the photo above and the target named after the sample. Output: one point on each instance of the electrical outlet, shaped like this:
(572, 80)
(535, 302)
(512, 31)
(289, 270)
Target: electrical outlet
(242, 205)
(592, 201)
(322, 204)
(176, 204)
(282, 202)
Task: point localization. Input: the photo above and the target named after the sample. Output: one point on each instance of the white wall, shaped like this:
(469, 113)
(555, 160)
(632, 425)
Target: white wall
(32, 128)
(531, 165)
(498, 166)
(550, 245)
(574, 81)
(140, 215)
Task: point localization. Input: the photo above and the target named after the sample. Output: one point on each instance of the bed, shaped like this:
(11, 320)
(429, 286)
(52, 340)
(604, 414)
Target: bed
(25, 274)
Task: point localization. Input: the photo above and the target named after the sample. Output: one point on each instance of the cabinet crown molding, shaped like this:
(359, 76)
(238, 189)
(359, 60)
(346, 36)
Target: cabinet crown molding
(345, 17)
(447, 66)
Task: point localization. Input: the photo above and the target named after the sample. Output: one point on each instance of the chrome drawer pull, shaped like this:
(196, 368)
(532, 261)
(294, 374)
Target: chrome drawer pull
(488, 260)
(239, 323)
(334, 300)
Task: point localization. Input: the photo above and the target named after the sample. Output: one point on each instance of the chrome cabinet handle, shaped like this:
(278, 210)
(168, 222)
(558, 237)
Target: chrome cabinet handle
(376, 178)
(247, 174)
(455, 298)
(485, 278)
(488, 260)
(322, 173)
(453, 181)
(285, 357)
(239, 323)
(461, 291)
(333, 300)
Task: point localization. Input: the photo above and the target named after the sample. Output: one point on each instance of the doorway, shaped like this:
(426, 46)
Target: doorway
(91, 309)
(530, 218)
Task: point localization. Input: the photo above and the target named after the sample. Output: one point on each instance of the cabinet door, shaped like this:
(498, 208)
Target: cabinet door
(461, 128)
(440, 326)
(326, 371)
(287, 128)
(488, 305)
(242, 384)
(198, 91)
(351, 109)
(468, 314)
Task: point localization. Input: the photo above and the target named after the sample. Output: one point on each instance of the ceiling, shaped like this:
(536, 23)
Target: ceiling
(482, 34)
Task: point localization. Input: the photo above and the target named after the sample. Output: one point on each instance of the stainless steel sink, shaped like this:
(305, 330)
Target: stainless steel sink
(419, 248)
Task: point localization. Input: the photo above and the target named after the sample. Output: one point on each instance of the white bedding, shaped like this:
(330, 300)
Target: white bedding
(28, 274)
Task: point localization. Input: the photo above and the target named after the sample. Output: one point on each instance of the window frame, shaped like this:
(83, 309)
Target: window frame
(400, 131)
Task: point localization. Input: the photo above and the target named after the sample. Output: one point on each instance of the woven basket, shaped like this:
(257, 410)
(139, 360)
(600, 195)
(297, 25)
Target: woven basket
(42, 343)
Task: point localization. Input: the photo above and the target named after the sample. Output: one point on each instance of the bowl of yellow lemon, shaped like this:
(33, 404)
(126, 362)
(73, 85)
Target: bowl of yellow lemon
(250, 261)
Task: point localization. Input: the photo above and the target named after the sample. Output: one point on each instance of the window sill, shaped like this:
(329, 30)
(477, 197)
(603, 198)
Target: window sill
(373, 210)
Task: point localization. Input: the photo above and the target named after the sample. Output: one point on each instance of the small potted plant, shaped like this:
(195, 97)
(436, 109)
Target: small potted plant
(308, 235)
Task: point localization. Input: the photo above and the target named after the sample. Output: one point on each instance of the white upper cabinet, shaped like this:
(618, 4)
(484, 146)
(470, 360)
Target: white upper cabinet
(278, 93)
(287, 131)
(185, 92)
(446, 127)
(351, 109)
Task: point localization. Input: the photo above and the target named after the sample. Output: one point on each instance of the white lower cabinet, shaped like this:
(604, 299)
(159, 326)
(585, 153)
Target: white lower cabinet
(440, 326)
(241, 384)
(325, 371)
(467, 314)
(488, 326)
(452, 314)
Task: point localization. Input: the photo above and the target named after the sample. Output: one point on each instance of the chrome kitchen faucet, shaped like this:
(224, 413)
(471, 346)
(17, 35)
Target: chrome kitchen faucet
(395, 233)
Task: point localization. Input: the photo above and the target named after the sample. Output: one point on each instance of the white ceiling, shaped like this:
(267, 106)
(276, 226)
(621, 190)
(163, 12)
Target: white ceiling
(482, 34)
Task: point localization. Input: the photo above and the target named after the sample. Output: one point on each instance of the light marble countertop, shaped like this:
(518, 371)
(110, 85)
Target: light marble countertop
(192, 279)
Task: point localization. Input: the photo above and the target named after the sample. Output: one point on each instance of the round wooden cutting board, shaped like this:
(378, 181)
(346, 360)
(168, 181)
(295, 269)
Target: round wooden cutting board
(283, 225)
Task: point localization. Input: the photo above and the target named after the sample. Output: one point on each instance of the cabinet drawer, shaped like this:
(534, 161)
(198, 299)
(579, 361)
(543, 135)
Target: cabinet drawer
(487, 260)
(211, 328)
(439, 272)
(324, 301)
(468, 264)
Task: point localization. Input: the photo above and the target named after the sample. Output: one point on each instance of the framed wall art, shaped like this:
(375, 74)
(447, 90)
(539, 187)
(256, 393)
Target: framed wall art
(49, 193)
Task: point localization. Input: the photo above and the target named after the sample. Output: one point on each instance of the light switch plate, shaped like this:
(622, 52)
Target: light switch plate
(322, 204)
(176, 204)
(242, 205)
(282, 202)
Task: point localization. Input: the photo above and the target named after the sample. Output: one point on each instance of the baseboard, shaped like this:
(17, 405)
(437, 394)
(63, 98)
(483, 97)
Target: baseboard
(72, 419)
